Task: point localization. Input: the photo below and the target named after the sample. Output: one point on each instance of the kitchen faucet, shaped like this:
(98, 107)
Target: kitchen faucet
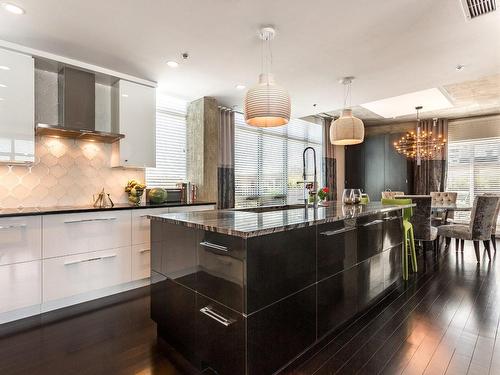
(315, 182)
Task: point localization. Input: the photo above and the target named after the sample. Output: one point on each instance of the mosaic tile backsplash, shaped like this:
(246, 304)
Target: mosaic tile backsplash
(67, 172)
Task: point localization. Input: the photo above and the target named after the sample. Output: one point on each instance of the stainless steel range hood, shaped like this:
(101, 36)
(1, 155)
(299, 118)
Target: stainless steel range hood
(76, 109)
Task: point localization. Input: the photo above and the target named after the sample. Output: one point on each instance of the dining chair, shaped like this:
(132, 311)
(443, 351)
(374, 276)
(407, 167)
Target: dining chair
(408, 236)
(391, 194)
(494, 224)
(480, 227)
(443, 198)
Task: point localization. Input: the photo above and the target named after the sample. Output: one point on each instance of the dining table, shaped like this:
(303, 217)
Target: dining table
(446, 208)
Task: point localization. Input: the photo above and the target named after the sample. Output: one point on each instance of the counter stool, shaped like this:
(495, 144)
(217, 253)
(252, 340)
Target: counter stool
(408, 237)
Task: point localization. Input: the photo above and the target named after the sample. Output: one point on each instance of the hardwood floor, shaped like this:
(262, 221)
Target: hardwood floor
(444, 321)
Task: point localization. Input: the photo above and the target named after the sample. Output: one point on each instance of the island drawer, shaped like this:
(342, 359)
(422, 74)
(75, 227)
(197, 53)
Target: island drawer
(370, 231)
(393, 228)
(220, 337)
(337, 244)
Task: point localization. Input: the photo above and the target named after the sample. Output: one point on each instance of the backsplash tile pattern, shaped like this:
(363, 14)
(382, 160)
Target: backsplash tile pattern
(66, 172)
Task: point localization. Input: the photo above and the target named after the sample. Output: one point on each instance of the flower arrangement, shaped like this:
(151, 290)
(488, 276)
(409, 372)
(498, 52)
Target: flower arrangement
(323, 193)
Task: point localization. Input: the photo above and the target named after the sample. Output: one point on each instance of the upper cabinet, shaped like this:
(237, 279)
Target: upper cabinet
(17, 107)
(134, 114)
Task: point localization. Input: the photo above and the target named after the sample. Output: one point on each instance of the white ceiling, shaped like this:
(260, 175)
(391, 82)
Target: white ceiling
(393, 47)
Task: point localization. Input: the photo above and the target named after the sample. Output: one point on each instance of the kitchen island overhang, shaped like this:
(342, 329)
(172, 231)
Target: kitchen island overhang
(245, 292)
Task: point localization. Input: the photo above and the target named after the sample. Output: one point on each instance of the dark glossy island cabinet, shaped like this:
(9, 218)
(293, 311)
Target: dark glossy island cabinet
(250, 305)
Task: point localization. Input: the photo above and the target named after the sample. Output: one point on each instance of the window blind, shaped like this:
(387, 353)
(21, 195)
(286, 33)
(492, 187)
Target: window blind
(473, 167)
(170, 144)
(268, 161)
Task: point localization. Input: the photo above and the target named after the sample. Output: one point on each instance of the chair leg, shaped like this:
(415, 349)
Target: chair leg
(476, 249)
(462, 242)
(447, 241)
(494, 242)
(487, 247)
(413, 252)
(457, 241)
(405, 256)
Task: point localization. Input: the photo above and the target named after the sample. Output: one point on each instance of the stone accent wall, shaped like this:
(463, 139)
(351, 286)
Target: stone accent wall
(66, 172)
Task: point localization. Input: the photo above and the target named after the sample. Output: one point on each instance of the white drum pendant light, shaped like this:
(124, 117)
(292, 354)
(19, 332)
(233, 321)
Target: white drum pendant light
(267, 104)
(347, 129)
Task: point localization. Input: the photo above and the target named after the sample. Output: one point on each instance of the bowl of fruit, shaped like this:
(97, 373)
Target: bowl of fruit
(135, 190)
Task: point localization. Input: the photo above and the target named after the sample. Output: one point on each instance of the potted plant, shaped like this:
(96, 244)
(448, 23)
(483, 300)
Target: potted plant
(323, 193)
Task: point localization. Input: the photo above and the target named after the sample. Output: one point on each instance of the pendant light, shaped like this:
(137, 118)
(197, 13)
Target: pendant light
(267, 104)
(347, 129)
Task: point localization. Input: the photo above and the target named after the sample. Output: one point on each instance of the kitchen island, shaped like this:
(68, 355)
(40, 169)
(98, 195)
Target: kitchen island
(248, 291)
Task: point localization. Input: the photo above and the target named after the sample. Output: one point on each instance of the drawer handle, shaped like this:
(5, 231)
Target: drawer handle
(374, 222)
(391, 218)
(90, 220)
(214, 246)
(208, 311)
(90, 259)
(144, 216)
(334, 232)
(144, 251)
(12, 226)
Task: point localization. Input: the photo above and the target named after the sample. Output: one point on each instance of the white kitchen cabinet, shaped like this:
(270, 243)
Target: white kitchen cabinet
(65, 234)
(134, 115)
(141, 226)
(20, 285)
(75, 274)
(17, 108)
(20, 239)
(141, 261)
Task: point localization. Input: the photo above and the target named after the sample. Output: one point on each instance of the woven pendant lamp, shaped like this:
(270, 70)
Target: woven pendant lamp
(347, 129)
(267, 104)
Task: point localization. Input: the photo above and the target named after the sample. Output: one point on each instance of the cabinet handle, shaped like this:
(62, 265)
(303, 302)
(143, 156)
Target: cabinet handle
(12, 226)
(208, 311)
(391, 218)
(214, 246)
(338, 231)
(90, 259)
(144, 251)
(374, 222)
(90, 220)
(143, 216)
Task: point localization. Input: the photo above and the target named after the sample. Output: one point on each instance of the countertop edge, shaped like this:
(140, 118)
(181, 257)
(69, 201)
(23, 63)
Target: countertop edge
(266, 231)
(75, 210)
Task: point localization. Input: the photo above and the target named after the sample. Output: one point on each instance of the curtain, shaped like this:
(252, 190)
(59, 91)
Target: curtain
(329, 161)
(430, 175)
(225, 170)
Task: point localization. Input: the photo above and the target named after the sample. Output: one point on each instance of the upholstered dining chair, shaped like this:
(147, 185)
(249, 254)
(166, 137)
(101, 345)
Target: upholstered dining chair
(494, 224)
(391, 194)
(443, 198)
(480, 227)
(421, 219)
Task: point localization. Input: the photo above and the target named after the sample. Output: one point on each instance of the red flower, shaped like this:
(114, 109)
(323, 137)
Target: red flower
(326, 190)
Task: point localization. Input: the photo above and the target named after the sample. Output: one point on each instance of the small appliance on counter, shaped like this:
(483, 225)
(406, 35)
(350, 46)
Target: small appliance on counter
(153, 195)
(103, 200)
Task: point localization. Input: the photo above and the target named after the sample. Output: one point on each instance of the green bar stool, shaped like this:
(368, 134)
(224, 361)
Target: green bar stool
(409, 239)
(365, 199)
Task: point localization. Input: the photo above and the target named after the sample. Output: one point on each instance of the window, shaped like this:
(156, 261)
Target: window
(473, 169)
(268, 161)
(170, 144)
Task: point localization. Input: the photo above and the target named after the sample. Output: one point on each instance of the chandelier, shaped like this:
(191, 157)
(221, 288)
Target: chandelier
(421, 144)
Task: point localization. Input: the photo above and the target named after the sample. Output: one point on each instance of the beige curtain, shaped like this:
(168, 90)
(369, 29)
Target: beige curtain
(430, 175)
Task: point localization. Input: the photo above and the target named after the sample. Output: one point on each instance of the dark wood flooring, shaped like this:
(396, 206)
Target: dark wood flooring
(444, 321)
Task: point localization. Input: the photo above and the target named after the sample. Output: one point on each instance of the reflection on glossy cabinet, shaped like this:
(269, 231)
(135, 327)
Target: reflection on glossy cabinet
(17, 108)
(20, 285)
(20, 239)
(134, 115)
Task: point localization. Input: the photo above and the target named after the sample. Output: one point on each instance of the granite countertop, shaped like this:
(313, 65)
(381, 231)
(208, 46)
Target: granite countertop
(29, 211)
(241, 223)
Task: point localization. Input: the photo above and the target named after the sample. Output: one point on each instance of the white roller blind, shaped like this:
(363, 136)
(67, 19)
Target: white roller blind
(268, 161)
(473, 166)
(170, 144)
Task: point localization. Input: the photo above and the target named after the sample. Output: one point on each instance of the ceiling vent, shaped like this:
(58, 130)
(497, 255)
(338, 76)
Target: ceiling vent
(476, 8)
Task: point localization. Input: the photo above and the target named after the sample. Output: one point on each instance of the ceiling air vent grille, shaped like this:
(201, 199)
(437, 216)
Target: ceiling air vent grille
(476, 8)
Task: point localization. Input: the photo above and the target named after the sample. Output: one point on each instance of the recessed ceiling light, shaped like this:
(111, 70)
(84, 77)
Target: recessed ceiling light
(459, 67)
(12, 8)
(240, 87)
(2, 85)
(173, 64)
(431, 99)
(1, 99)
(125, 95)
(3, 67)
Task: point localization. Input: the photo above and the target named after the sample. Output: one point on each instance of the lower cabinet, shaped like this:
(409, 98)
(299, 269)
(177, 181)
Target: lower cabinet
(20, 285)
(75, 274)
(141, 261)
